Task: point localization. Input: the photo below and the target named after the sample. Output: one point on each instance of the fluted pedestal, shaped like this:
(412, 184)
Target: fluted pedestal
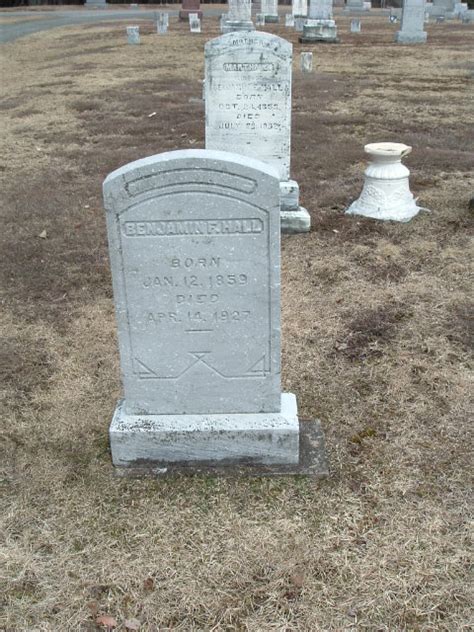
(386, 193)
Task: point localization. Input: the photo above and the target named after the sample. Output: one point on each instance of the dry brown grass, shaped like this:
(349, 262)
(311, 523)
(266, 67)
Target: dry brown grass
(376, 344)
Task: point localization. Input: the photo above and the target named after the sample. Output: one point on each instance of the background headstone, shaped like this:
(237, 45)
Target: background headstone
(355, 26)
(162, 23)
(195, 25)
(413, 18)
(289, 20)
(270, 10)
(260, 19)
(248, 107)
(319, 27)
(299, 8)
(133, 34)
(239, 17)
(195, 253)
(190, 6)
(306, 61)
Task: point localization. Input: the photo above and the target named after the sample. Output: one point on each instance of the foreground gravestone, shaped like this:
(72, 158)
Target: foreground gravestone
(195, 255)
(239, 17)
(248, 108)
(319, 27)
(133, 34)
(190, 6)
(413, 18)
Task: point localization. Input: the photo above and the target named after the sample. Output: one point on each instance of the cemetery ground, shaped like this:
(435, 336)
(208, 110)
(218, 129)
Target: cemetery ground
(377, 328)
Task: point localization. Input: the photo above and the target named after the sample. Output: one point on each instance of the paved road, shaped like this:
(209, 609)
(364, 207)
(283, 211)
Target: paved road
(43, 21)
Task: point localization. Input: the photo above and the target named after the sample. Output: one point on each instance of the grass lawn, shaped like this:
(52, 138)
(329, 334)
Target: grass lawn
(377, 337)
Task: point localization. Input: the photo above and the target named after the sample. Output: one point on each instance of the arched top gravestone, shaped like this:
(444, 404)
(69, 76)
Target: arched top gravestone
(194, 244)
(248, 97)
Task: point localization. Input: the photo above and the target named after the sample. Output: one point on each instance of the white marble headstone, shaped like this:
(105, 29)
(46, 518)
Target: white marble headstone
(413, 17)
(133, 34)
(248, 97)
(299, 8)
(320, 9)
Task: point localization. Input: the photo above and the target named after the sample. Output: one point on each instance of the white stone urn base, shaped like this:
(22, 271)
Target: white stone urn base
(386, 193)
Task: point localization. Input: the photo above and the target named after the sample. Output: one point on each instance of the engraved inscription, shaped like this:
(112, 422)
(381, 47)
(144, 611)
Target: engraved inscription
(248, 97)
(194, 227)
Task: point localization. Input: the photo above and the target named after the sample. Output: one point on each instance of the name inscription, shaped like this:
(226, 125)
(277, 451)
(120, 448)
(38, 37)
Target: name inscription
(193, 227)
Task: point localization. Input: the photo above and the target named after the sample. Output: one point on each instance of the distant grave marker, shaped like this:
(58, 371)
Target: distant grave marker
(133, 34)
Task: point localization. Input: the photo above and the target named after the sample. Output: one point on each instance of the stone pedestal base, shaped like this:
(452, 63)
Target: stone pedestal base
(155, 441)
(319, 31)
(229, 26)
(294, 218)
(184, 14)
(295, 221)
(411, 38)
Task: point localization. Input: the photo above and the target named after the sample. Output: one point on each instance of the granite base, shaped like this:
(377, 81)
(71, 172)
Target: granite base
(155, 441)
(294, 221)
(411, 38)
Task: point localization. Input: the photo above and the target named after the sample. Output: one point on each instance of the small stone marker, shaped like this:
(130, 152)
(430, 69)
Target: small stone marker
(194, 242)
(260, 19)
(289, 20)
(190, 6)
(248, 108)
(195, 25)
(133, 34)
(299, 24)
(413, 17)
(355, 26)
(306, 62)
(386, 193)
(270, 10)
(162, 23)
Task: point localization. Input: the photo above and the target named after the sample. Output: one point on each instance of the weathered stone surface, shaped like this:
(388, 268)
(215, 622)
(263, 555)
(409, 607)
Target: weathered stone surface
(413, 17)
(299, 8)
(194, 246)
(190, 6)
(306, 62)
(319, 27)
(355, 26)
(239, 17)
(270, 10)
(162, 23)
(248, 97)
(289, 20)
(195, 254)
(248, 100)
(133, 34)
(386, 193)
(195, 25)
(264, 438)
